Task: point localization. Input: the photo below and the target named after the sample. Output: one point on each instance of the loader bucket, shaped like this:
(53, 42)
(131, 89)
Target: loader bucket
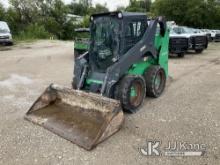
(83, 118)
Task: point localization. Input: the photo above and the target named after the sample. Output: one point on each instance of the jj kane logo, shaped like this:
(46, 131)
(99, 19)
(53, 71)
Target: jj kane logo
(153, 148)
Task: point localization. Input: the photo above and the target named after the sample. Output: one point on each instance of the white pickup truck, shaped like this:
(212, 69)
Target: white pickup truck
(5, 34)
(196, 41)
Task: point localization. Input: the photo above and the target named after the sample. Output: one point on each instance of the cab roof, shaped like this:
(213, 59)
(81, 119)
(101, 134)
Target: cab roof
(124, 14)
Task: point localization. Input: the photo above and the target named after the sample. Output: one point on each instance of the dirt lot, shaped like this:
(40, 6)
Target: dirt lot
(189, 111)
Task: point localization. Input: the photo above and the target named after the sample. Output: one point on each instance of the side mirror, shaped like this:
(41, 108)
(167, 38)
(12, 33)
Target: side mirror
(163, 25)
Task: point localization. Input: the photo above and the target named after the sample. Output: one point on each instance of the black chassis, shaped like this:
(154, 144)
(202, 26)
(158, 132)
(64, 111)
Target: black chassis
(145, 47)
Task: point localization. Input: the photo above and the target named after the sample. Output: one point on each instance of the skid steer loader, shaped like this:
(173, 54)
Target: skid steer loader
(127, 60)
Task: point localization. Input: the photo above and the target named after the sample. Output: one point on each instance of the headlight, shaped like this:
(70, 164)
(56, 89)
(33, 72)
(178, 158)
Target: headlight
(91, 18)
(120, 15)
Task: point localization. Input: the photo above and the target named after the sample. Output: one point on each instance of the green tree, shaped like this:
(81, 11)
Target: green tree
(139, 6)
(201, 14)
(195, 13)
(27, 10)
(172, 9)
(99, 8)
(78, 9)
(2, 12)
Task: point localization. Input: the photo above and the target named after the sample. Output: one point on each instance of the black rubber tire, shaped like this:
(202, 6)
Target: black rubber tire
(150, 76)
(124, 93)
(9, 44)
(199, 50)
(181, 55)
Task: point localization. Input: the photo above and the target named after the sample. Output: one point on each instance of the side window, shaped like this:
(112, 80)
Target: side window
(139, 29)
(134, 31)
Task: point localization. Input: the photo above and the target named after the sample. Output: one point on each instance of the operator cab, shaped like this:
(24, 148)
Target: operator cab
(113, 34)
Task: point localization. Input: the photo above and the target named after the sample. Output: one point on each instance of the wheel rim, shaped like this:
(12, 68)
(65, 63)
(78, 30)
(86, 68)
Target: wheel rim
(136, 94)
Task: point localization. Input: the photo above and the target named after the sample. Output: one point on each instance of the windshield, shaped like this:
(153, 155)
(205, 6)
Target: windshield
(188, 30)
(182, 30)
(176, 30)
(4, 27)
(105, 41)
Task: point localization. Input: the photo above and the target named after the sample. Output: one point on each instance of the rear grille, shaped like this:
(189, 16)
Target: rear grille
(178, 44)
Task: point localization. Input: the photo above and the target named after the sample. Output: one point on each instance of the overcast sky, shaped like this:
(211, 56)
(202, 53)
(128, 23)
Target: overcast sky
(112, 4)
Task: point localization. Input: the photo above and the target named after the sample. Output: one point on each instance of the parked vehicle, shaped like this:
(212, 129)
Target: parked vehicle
(5, 34)
(196, 41)
(207, 33)
(178, 43)
(217, 36)
(213, 34)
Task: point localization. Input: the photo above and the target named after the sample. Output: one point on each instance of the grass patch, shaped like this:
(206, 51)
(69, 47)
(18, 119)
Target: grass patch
(32, 33)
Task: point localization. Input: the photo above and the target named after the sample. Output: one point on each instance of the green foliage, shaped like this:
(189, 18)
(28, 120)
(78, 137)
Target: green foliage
(2, 11)
(45, 18)
(195, 13)
(84, 8)
(33, 31)
(139, 6)
(78, 9)
(86, 21)
(98, 9)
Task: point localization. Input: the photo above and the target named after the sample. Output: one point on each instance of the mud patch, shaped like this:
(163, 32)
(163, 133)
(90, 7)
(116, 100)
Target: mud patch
(5, 48)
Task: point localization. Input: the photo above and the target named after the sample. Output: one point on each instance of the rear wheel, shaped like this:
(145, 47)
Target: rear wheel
(181, 55)
(155, 79)
(132, 93)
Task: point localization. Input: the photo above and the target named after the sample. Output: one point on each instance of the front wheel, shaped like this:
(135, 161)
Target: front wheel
(155, 78)
(132, 93)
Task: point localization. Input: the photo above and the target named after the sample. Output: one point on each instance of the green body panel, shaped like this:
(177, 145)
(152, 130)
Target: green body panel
(81, 46)
(91, 81)
(139, 68)
(164, 53)
(163, 42)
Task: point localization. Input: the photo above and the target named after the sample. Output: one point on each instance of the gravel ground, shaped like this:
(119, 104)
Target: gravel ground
(188, 111)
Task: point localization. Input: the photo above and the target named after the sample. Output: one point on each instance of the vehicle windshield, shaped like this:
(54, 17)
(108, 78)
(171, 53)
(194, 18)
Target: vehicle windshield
(176, 30)
(4, 28)
(188, 30)
(105, 41)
